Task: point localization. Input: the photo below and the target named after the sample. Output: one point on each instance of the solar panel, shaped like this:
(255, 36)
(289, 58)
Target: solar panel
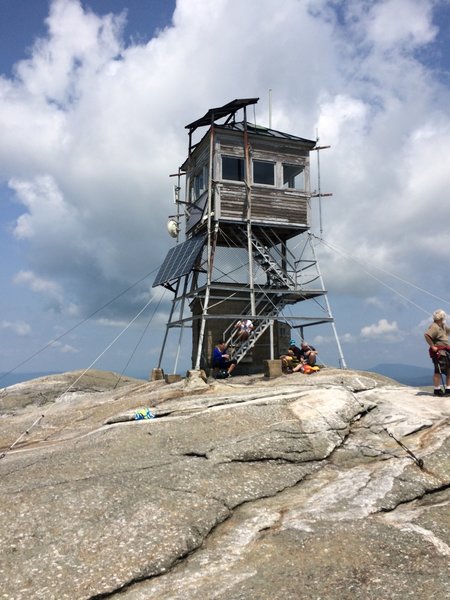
(180, 260)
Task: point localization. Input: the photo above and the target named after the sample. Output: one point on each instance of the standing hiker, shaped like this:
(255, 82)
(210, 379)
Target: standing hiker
(436, 337)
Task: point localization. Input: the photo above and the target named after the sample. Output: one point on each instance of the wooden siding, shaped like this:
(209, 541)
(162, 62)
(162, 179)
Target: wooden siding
(268, 205)
(264, 149)
(271, 205)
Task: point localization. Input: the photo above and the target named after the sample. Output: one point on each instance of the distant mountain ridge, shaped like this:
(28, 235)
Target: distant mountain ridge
(406, 374)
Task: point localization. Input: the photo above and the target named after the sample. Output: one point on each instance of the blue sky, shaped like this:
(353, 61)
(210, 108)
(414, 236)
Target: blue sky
(94, 99)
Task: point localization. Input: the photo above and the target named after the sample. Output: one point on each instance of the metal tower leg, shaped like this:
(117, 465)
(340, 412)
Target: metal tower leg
(180, 339)
(342, 362)
(168, 325)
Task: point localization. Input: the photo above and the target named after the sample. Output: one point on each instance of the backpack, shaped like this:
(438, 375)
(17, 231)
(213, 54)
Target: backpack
(222, 374)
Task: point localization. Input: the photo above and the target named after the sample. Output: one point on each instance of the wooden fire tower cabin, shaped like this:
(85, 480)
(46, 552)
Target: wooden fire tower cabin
(246, 251)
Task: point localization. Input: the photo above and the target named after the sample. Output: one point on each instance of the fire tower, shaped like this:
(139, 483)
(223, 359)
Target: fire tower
(247, 249)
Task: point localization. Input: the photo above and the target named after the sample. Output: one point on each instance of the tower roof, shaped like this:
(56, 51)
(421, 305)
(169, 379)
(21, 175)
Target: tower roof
(264, 131)
(227, 110)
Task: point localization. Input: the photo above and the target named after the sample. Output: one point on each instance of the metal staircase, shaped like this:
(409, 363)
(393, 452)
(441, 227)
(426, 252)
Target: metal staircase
(263, 256)
(269, 305)
(261, 327)
(268, 309)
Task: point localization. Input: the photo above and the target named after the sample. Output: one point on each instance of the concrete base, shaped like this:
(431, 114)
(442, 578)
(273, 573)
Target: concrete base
(156, 375)
(172, 378)
(272, 368)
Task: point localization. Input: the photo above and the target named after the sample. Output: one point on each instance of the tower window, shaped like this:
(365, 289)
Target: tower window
(233, 168)
(199, 183)
(294, 177)
(263, 172)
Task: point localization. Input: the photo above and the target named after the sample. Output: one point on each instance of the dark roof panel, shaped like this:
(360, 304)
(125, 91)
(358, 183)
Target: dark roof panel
(265, 131)
(222, 111)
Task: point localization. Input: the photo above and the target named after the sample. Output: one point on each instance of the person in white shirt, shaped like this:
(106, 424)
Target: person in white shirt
(244, 327)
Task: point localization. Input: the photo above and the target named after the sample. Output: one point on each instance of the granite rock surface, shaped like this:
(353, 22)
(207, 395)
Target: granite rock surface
(333, 485)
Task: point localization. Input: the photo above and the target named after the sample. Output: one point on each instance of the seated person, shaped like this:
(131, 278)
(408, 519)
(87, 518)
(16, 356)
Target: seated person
(292, 358)
(308, 356)
(244, 327)
(221, 360)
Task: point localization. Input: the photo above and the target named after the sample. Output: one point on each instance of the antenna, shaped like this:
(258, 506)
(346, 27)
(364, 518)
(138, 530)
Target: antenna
(318, 184)
(270, 108)
(173, 222)
(319, 191)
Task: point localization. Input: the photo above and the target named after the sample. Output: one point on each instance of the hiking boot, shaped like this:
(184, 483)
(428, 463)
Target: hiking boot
(440, 393)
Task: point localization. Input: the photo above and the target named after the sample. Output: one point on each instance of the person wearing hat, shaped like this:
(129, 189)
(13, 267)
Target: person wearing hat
(292, 359)
(436, 337)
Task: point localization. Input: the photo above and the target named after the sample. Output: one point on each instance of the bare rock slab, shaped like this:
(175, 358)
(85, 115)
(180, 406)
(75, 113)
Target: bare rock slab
(247, 489)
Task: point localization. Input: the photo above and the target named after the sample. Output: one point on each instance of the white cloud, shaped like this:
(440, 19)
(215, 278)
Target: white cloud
(68, 349)
(38, 284)
(72, 310)
(404, 23)
(46, 206)
(375, 302)
(112, 323)
(64, 348)
(100, 125)
(383, 330)
(346, 338)
(62, 64)
(343, 116)
(91, 128)
(50, 290)
(20, 328)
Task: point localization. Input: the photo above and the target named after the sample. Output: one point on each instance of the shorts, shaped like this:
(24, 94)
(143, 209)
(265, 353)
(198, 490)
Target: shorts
(225, 364)
(292, 361)
(442, 364)
(228, 363)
